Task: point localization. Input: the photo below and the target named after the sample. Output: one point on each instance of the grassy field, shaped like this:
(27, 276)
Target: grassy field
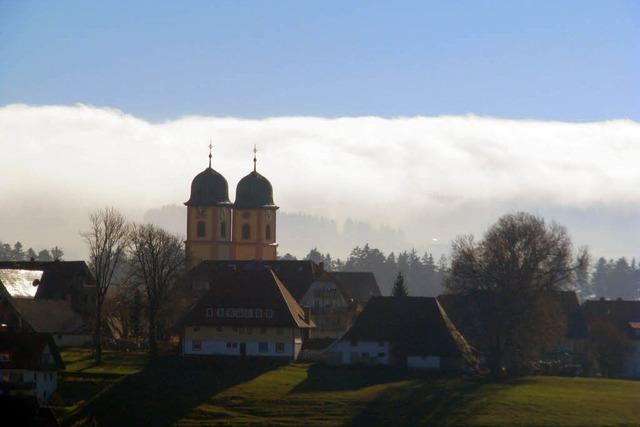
(126, 391)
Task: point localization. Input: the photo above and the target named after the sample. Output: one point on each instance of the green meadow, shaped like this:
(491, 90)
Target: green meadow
(127, 391)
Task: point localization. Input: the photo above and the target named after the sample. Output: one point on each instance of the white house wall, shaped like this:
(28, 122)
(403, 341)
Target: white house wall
(363, 352)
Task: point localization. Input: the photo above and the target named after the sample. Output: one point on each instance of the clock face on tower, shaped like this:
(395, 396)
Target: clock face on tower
(201, 212)
(268, 215)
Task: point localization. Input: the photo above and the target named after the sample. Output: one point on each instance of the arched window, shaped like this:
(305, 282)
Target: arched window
(200, 229)
(268, 232)
(246, 232)
(223, 229)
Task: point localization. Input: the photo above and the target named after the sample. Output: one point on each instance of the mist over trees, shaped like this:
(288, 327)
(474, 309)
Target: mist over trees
(18, 253)
(422, 275)
(615, 279)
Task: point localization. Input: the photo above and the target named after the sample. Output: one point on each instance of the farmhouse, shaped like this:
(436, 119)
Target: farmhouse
(465, 311)
(246, 313)
(623, 319)
(28, 365)
(333, 299)
(406, 331)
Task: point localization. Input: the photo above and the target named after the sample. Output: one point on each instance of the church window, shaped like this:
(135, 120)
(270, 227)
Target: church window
(268, 232)
(200, 229)
(223, 229)
(246, 232)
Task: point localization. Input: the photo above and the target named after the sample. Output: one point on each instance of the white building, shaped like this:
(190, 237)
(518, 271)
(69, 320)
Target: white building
(246, 313)
(405, 331)
(29, 365)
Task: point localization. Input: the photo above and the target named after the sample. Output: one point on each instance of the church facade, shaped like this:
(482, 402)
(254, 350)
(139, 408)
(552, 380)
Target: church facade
(218, 229)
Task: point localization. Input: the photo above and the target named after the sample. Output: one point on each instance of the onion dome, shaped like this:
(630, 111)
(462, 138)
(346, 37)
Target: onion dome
(209, 188)
(254, 191)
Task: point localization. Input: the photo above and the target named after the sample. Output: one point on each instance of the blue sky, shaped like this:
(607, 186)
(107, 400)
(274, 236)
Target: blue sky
(555, 60)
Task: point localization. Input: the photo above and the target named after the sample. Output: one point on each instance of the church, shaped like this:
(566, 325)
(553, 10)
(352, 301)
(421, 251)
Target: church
(220, 230)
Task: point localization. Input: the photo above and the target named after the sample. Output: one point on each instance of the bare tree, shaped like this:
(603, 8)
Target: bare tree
(158, 259)
(107, 238)
(512, 274)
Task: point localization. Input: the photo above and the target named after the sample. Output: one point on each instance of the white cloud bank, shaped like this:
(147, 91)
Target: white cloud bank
(432, 176)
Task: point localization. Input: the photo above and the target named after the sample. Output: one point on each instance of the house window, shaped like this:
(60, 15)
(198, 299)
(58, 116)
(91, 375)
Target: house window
(246, 232)
(380, 343)
(249, 331)
(209, 312)
(196, 329)
(263, 331)
(382, 354)
(268, 232)
(200, 229)
(196, 345)
(365, 354)
(279, 347)
(228, 345)
(268, 313)
(258, 313)
(220, 312)
(354, 343)
(223, 229)
(263, 347)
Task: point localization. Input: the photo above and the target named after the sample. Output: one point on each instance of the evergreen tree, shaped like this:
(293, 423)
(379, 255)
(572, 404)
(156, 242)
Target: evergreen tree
(44, 255)
(399, 288)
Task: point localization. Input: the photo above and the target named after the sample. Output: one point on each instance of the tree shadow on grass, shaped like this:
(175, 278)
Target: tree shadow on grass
(434, 402)
(322, 378)
(169, 389)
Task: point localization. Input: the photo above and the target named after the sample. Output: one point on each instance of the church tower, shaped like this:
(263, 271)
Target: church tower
(254, 218)
(208, 218)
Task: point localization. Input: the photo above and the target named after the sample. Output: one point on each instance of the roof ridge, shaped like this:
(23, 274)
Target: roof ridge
(289, 300)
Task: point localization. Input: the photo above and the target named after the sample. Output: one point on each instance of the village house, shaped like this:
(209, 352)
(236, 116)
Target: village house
(246, 313)
(29, 365)
(570, 349)
(56, 297)
(623, 317)
(333, 299)
(403, 331)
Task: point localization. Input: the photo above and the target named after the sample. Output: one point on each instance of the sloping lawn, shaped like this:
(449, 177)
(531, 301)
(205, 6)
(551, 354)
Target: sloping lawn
(174, 391)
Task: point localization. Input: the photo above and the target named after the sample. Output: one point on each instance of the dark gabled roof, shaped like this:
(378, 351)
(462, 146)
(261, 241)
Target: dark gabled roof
(360, 286)
(297, 276)
(249, 289)
(464, 311)
(254, 191)
(415, 325)
(25, 351)
(622, 313)
(49, 315)
(57, 276)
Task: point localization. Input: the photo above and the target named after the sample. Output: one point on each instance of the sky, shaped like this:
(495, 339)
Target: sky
(430, 118)
(552, 60)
